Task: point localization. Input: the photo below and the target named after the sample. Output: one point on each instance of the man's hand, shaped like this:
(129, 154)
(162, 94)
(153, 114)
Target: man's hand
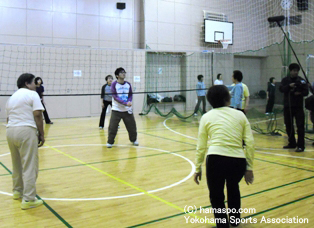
(292, 85)
(129, 104)
(102, 106)
(41, 140)
(249, 177)
(197, 177)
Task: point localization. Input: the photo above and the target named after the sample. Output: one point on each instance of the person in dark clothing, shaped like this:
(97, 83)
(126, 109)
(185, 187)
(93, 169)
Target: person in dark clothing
(294, 88)
(106, 100)
(40, 90)
(270, 95)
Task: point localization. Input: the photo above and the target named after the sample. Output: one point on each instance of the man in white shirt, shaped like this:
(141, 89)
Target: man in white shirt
(24, 119)
(122, 97)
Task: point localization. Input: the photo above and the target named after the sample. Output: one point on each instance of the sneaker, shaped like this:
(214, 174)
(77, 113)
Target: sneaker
(289, 147)
(135, 143)
(100, 128)
(16, 195)
(31, 204)
(299, 149)
(109, 145)
(266, 113)
(50, 123)
(195, 114)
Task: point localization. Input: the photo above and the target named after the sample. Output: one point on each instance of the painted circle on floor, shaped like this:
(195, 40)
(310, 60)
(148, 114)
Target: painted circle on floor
(122, 196)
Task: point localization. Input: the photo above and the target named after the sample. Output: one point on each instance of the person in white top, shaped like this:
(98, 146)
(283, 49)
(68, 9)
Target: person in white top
(122, 97)
(24, 118)
(219, 80)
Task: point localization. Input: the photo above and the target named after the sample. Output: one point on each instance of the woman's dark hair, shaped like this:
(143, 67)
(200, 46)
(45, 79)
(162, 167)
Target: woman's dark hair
(199, 77)
(238, 75)
(24, 78)
(36, 80)
(218, 96)
(271, 79)
(218, 76)
(293, 66)
(118, 71)
(108, 76)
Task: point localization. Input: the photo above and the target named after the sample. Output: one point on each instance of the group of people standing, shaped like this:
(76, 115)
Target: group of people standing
(25, 132)
(240, 94)
(230, 153)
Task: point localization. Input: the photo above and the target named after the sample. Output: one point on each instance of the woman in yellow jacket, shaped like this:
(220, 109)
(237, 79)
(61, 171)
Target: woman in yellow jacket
(227, 161)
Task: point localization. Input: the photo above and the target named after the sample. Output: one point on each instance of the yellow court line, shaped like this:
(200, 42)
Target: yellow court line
(126, 183)
(294, 163)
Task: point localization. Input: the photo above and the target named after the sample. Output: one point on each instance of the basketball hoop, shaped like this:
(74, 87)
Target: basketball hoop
(224, 43)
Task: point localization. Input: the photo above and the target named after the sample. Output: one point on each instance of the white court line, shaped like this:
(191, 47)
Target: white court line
(4, 154)
(176, 131)
(123, 196)
(282, 155)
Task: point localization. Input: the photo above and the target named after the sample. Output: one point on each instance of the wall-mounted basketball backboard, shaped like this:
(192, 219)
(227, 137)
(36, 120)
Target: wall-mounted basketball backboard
(218, 30)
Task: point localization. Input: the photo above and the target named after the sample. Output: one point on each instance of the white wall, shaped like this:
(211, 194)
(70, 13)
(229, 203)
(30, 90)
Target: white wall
(90, 25)
(95, 23)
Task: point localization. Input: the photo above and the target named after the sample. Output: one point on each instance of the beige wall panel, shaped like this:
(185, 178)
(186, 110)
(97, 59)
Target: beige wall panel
(40, 4)
(39, 23)
(68, 6)
(87, 27)
(88, 7)
(64, 25)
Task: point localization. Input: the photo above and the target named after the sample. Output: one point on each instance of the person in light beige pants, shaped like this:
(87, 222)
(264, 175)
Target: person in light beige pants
(24, 119)
(23, 144)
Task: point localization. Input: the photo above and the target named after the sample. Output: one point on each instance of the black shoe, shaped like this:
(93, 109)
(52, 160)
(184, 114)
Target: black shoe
(289, 147)
(299, 149)
(50, 123)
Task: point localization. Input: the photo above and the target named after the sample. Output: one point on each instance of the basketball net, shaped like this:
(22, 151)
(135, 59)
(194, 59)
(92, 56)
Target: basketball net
(224, 43)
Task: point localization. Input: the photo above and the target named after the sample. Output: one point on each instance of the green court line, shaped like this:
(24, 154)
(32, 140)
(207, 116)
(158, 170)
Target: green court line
(246, 196)
(49, 208)
(168, 139)
(9, 171)
(290, 166)
(61, 167)
(99, 162)
(280, 206)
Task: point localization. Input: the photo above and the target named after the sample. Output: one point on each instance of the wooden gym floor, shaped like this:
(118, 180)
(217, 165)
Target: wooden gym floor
(85, 184)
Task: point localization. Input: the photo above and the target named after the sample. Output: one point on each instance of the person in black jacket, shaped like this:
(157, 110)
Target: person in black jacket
(271, 95)
(294, 88)
(106, 100)
(40, 90)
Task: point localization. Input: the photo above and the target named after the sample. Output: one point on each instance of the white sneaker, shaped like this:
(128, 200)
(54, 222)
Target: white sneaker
(31, 204)
(101, 128)
(17, 195)
(195, 114)
(135, 143)
(109, 145)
